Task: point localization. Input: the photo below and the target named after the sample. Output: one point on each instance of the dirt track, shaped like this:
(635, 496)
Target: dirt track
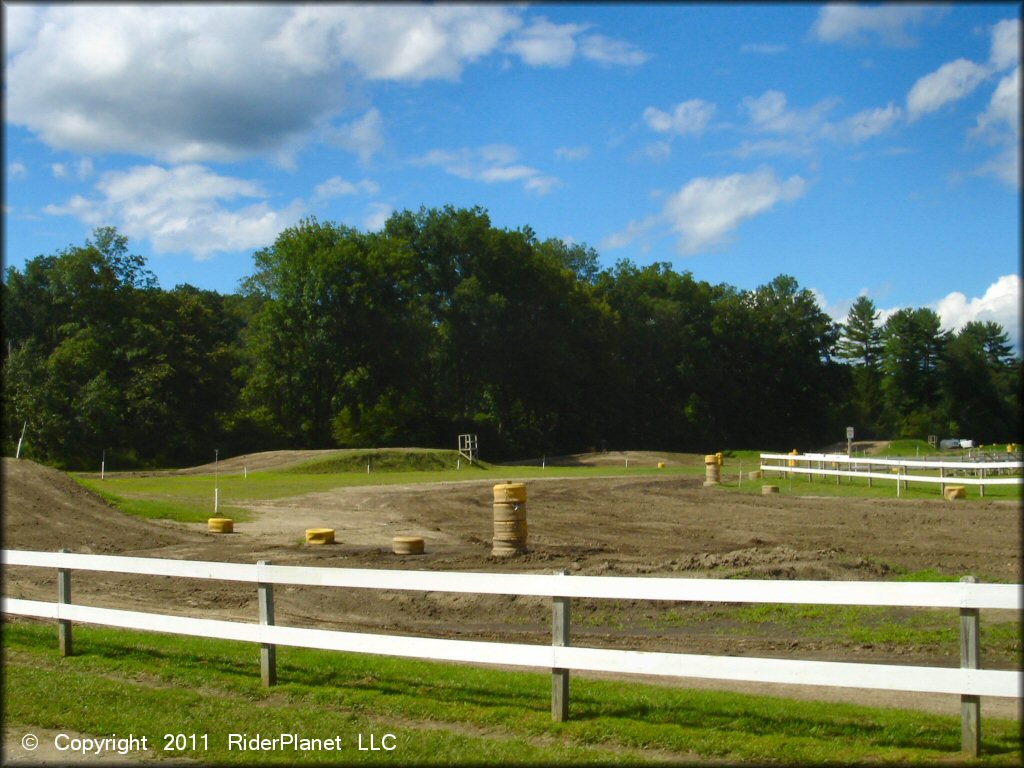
(658, 525)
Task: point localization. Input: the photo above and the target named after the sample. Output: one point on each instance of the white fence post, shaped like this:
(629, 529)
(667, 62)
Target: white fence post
(64, 596)
(970, 658)
(268, 651)
(560, 677)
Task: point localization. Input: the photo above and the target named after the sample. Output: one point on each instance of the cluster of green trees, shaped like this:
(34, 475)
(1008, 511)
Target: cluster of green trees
(442, 324)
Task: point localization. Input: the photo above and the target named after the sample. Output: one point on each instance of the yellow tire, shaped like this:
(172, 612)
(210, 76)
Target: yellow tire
(407, 545)
(504, 492)
(319, 535)
(220, 525)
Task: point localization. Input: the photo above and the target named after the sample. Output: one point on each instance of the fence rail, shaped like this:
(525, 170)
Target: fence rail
(968, 681)
(985, 472)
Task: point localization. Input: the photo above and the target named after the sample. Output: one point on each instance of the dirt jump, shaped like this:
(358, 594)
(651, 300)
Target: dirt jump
(657, 525)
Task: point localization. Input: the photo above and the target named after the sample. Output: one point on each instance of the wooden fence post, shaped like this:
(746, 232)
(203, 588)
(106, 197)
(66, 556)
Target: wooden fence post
(560, 677)
(268, 651)
(970, 658)
(64, 596)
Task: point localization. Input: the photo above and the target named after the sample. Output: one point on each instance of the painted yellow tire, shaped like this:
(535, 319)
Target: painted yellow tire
(319, 535)
(407, 545)
(220, 525)
(504, 492)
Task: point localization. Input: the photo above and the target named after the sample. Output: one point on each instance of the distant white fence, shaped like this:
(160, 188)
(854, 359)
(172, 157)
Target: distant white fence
(969, 680)
(838, 465)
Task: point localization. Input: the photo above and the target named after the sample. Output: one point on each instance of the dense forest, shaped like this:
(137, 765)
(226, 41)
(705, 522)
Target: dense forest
(442, 324)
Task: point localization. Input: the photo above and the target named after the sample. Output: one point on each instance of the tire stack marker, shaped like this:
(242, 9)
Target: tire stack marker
(509, 519)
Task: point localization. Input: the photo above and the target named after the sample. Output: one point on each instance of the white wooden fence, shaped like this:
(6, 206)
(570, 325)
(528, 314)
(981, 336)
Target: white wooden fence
(969, 680)
(837, 465)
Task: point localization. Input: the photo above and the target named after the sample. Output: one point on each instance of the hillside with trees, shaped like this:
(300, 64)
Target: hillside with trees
(441, 324)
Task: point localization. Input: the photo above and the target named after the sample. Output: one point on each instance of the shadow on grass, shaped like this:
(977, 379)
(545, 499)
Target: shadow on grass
(601, 711)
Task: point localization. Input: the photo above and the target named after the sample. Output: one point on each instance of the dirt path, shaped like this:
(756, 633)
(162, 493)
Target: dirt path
(654, 525)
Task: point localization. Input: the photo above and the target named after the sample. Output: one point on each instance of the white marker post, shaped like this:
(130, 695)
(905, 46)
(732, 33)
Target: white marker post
(216, 480)
(17, 453)
(103, 465)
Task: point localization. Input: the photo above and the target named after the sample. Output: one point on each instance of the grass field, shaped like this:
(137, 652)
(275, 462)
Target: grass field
(148, 684)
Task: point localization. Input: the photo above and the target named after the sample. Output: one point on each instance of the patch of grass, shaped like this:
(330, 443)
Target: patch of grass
(925, 574)
(810, 485)
(193, 508)
(909, 447)
(384, 460)
(150, 684)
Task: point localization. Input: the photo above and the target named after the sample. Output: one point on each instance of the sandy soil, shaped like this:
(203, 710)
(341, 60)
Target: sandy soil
(655, 525)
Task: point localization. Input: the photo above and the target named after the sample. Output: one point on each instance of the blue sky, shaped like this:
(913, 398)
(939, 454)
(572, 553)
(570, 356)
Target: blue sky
(862, 149)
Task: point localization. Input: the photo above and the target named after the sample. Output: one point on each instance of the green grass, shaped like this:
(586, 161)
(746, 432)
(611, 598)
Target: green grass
(191, 508)
(384, 460)
(150, 684)
(811, 485)
(906, 448)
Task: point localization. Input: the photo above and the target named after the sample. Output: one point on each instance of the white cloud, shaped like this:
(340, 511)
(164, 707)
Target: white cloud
(541, 185)
(572, 153)
(376, 216)
(772, 148)
(634, 230)
(407, 43)
(869, 123)
(1005, 44)
(495, 163)
(707, 210)
(194, 82)
(858, 24)
(770, 112)
(950, 82)
(1000, 303)
(362, 136)
(544, 44)
(1005, 166)
(21, 23)
(1003, 113)
(1000, 125)
(83, 169)
(199, 83)
(339, 187)
(658, 151)
(690, 117)
(17, 170)
(182, 209)
(611, 52)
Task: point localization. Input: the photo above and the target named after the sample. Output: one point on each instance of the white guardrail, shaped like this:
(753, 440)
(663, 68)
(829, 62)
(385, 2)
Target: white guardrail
(968, 681)
(982, 473)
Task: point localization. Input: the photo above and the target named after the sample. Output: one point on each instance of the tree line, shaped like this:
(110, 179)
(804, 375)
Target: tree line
(442, 324)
